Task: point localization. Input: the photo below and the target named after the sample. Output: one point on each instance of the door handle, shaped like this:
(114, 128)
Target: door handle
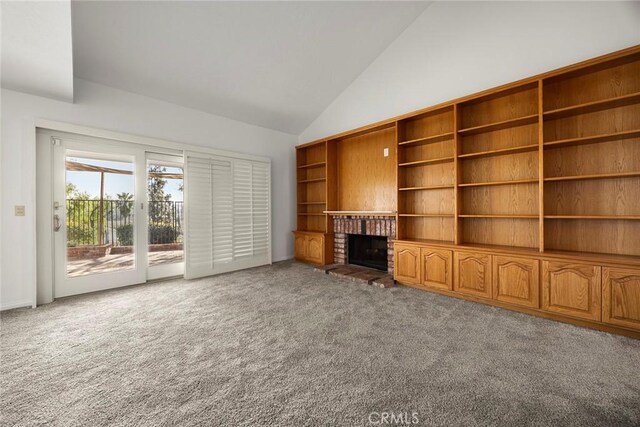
(56, 222)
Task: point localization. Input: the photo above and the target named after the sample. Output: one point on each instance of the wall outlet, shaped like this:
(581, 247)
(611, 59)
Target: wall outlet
(19, 210)
(386, 152)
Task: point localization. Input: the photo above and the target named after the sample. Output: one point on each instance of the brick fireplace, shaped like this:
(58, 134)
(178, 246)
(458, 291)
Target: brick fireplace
(344, 225)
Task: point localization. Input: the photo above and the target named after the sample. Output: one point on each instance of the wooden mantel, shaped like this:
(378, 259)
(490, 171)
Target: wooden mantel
(361, 213)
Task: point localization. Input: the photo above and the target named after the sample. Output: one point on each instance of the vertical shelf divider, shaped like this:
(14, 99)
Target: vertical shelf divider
(399, 234)
(541, 165)
(457, 202)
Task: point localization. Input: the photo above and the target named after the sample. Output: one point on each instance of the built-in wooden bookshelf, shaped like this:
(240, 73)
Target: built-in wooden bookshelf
(426, 175)
(315, 182)
(312, 189)
(541, 165)
(498, 168)
(591, 123)
(526, 196)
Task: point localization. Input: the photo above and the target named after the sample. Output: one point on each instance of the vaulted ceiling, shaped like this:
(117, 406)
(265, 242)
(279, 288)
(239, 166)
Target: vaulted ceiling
(273, 64)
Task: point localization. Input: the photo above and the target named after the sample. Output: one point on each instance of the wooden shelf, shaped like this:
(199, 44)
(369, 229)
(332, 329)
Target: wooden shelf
(428, 139)
(432, 187)
(590, 107)
(609, 217)
(312, 203)
(594, 139)
(310, 230)
(499, 152)
(361, 213)
(500, 216)
(594, 176)
(312, 165)
(428, 215)
(426, 162)
(310, 214)
(521, 121)
(483, 184)
(305, 181)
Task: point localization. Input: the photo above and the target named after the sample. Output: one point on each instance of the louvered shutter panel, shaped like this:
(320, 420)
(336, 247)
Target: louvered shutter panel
(222, 217)
(242, 215)
(228, 214)
(199, 233)
(261, 183)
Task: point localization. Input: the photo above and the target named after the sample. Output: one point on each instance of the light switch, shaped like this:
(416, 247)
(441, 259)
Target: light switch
(19, 210)
(386, 152)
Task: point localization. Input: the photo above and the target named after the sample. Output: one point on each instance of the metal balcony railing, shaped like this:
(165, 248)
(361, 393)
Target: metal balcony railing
(100, 222)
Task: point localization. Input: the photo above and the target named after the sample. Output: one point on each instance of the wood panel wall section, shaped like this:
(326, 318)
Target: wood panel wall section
(366, 178)
(533, 188)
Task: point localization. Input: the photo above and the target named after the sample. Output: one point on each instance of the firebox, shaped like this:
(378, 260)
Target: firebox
(368, 251)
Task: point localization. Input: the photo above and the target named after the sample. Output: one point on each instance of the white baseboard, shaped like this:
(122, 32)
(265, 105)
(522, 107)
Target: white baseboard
(15, 304)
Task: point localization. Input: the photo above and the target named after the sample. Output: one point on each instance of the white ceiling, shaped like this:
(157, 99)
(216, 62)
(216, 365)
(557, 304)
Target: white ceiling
(272, 64)
(36, 48)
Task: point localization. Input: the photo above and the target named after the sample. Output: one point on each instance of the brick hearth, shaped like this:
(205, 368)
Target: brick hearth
(362, 224)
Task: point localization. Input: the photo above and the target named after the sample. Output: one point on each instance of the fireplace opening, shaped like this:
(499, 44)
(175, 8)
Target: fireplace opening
(368, 251)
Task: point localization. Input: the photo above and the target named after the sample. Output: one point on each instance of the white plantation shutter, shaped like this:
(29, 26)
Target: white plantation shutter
(199, 230)
(242, 223)
(227, 203)
(260, 196)
(222, 217)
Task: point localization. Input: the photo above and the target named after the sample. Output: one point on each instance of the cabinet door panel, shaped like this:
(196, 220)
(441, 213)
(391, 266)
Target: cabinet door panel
(436, 267)
(300, 247)
(407, 264)
(571, 289)
(472, 274)
(315, 248)
(516, 280)
(621, 297)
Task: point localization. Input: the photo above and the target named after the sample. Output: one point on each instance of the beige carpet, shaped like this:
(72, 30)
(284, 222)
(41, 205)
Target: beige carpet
(284, 345)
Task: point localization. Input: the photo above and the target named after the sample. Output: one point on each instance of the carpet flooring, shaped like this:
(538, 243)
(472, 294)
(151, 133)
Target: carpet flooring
(283, 345)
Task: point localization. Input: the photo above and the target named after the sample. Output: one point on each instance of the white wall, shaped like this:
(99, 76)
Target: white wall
(106, 108)
(37, 53)
(458, 48)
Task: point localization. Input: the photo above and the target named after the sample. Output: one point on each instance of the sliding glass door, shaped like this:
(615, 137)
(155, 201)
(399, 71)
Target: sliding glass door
(119, 216)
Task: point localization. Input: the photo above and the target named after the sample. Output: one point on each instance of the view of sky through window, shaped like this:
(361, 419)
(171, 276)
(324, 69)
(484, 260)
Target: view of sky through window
(89, 182)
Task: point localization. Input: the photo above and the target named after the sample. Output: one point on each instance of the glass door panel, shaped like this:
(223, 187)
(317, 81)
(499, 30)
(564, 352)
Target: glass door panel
(165, 216)
(100, 220)
(98, 216)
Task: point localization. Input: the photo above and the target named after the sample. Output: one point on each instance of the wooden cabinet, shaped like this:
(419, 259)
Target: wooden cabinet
(436, 268)
(621, 297)
(516, 280)
(407, 264)
(472, 274)
(316, 248)
(571, 289)
(300, 246)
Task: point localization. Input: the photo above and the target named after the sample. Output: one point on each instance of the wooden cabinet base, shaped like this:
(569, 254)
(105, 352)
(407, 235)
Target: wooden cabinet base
(516, 280)
(534, 312)
(621, 297)
(601, 294)
(314, 248)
